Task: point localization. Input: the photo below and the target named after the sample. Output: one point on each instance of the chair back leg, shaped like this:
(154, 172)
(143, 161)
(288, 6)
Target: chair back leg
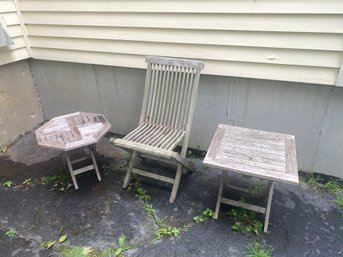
(129, 170)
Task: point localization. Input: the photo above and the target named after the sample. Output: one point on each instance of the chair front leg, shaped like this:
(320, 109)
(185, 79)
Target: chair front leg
(129, 170)
(176, 183)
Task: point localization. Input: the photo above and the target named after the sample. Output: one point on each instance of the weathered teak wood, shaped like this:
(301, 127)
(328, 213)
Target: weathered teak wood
(262, 154)
(73, 131)
(171, 87)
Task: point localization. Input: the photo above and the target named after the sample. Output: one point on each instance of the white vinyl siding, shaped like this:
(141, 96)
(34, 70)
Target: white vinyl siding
(19, 50)
(287, 40)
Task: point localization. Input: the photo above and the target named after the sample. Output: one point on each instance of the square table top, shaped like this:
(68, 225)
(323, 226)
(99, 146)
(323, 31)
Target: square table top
(72, 131)
(255, 153)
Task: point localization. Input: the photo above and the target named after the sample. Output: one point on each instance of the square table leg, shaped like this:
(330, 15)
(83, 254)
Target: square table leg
(219, 198)
(269, 205)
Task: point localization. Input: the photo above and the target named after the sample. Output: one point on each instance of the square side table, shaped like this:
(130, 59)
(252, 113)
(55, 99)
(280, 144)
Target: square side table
(255, 153)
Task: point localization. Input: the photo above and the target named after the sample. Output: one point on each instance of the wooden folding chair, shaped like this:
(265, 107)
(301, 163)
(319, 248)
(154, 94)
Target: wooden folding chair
(169, 99)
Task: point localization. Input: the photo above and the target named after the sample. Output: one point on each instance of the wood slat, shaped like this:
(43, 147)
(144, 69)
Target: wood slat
(156, 136)
(243, 205)
(261, 154)
(255, 22)
(236, 138)
(84, 169)
(251, 163)
(195, 6)
(153, 176)
(291, 155)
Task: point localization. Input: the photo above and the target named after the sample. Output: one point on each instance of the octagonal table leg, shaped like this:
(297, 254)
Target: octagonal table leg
(92, 153)
(67, 159)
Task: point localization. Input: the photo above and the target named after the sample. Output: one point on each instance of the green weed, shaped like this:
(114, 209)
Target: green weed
(61, 182)
(315, 182)
(46, 180)
(76, 251)
(245, 221)
(208, 213)
(122, 247)
(163, 229)
(339, 202)
(142, 194)
(333, 187)
(8, 183)
(256, 249)
(28, 182)
(257, 188)
(150, 210)
(11, 233)
(167, 231)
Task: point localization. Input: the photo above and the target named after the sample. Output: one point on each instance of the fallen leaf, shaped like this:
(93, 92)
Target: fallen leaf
(47, 244)
(62, 239)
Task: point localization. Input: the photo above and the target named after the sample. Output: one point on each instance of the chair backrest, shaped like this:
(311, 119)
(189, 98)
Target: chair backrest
(171, 88)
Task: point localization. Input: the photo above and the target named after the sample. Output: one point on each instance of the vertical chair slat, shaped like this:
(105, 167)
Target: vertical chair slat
(154, 94)
(189, 93)
(166, 95)
(150, 94)
(159, 96)
(146, 92)
(182, 97)
(177, 98)
(185, 100)
(172, 96)
(162, 96)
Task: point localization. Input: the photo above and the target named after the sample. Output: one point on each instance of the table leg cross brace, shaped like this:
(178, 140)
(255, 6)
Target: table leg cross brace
(92, 166)
(263, 210)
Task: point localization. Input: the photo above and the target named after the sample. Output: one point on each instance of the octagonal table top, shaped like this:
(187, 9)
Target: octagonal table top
(72, 131)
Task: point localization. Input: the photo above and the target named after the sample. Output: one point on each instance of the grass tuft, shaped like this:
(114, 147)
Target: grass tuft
(256, 249)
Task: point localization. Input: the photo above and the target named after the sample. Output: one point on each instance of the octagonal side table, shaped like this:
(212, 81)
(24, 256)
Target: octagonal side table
(72, 131)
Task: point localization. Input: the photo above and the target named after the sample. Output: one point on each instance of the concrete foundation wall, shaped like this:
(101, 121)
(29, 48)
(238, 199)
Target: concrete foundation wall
(20, 110)
(311, 112)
